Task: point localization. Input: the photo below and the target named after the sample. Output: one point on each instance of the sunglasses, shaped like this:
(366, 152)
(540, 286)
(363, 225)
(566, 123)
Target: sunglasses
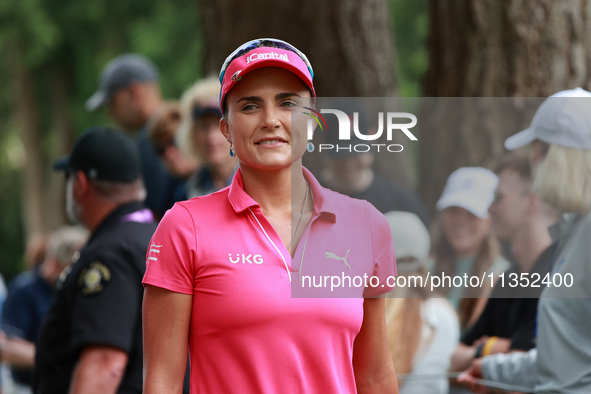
(263, 43)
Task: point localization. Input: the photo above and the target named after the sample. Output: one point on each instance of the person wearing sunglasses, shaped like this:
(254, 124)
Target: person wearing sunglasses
(228, 274)
(199, 136)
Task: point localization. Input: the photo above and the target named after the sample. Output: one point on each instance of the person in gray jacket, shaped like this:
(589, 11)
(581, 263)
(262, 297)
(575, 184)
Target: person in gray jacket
(560, 137)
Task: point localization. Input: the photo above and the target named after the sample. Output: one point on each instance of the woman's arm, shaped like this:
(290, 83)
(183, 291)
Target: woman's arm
(166, 320)
(372, 363)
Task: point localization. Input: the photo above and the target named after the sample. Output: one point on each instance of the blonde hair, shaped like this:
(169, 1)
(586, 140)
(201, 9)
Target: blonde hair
(563, 179)
(205, 92)
(404, 321)
(445, 257)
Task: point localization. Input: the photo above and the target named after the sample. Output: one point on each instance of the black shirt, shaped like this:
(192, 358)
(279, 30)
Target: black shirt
(160, 185)
(99, 302)
(507, 314)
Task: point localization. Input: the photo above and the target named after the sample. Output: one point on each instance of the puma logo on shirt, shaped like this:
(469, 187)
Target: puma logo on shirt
(331, 255)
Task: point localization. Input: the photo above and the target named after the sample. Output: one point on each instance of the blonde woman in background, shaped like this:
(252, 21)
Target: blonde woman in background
(559, 139)
(423, 331)
(200, 137)
(463, 242)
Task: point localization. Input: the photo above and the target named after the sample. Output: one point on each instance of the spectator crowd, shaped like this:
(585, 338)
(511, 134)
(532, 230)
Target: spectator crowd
(73, 321)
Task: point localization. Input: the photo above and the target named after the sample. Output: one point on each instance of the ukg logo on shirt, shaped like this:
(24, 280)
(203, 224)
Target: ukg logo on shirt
(245, 258)
(349, 138)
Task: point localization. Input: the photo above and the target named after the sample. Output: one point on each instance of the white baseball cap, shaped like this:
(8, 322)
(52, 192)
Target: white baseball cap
(411, 239)
(563, 119)
(471, 188)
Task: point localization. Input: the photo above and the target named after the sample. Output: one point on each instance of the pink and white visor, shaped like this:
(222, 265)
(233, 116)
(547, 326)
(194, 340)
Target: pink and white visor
(265, 57)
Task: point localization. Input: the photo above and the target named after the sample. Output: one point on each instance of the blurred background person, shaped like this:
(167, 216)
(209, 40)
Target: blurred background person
(128, 87)
(200, 137)
(35, 251)
(519, 218)
(463, 242)
(352, 173)
(29, 299)
(559, 139)
(91, 339)
(163, 133)
(423, 331)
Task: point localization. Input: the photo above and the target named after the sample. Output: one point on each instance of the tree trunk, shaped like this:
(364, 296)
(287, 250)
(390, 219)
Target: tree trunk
(348, 42)
(61, 130)
(510, 48)
(28, 115)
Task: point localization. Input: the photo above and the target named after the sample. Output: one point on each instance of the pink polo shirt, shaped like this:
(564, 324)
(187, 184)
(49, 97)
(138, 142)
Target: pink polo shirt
(254, 326)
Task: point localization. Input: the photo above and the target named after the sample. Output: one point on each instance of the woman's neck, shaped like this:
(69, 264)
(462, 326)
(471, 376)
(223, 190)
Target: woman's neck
(272, 190)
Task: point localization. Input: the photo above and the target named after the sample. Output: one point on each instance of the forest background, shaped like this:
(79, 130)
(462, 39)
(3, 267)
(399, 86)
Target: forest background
(52, 52)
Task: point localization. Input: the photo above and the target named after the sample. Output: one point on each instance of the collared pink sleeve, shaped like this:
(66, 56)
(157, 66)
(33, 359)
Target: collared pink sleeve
(170, 261)
(384, 258)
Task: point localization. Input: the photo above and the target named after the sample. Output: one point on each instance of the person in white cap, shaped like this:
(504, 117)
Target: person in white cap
(463, 240)
(422, 330)
(560, 151)
(520, 220)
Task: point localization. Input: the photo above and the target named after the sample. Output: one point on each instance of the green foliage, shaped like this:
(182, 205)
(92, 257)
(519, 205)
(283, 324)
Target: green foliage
(411, 26)
(11, 226)
(75, 39)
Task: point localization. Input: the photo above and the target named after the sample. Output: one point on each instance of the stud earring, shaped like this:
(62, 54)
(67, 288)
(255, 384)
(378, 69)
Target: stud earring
(310, 146)
(232, 152)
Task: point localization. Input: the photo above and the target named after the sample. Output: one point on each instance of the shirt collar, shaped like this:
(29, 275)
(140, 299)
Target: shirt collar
(323, 206)
(240, 200)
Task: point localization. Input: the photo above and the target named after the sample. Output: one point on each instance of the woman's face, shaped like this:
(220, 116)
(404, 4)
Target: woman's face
(463, 230)
(258, 121)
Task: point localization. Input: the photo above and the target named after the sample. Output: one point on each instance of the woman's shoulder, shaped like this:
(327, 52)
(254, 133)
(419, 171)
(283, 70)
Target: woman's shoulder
(500, 264)
(440, 316)
(201, 206)
(439, 311)
(343, 203)
(215, 198)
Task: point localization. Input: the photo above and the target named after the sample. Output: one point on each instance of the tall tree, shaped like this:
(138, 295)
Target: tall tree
(348, 42)
(513, 48)
(52, 52)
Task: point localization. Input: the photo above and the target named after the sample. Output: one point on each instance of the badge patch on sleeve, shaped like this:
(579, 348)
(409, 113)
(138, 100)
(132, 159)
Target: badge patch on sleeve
(92, 278)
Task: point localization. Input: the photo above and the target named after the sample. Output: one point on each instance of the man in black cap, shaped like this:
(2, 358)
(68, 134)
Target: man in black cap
(128, 88)
(91, 340)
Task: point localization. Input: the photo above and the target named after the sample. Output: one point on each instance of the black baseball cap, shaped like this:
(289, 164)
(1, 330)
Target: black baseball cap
(118, 74)
(103, 153)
